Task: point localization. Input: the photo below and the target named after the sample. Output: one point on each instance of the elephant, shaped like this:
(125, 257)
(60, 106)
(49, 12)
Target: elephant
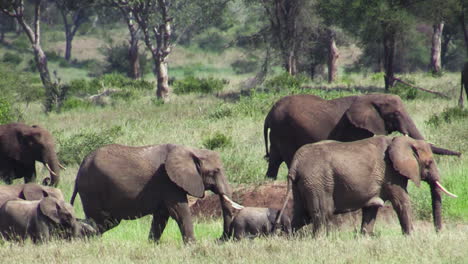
(464, 83)
(39, 220)
(20, 147)
(334, 177)
(28, 191)
(118, 182)
(297, 120)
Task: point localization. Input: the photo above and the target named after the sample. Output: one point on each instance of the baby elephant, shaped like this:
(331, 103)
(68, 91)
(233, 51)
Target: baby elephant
(255, 221)
(38, 220)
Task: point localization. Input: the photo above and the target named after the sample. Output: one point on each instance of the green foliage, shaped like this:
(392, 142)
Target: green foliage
(82, 87)
(222, 111)
(447, 116)
(404, 91)
(193, 84)
(12, 58)
(244, 66)
(21, 43)
(118, 80)
(23, 87)
(216, 141)
(125, 95)
(212, 40)
(7, 115)
(117, 60)
(285, 81)
(73, 103)
(74, 148)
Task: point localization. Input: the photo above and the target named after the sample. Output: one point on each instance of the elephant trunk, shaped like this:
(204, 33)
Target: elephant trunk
(436, 206)
(51, 162)
(413, 132)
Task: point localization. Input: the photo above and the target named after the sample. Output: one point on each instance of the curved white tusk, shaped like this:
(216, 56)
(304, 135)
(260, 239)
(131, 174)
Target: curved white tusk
(61, 166)
(437, 183)
(233, 204)
(406, 135)
(50, 170)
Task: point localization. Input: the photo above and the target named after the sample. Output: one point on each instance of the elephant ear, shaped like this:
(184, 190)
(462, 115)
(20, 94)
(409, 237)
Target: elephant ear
(33, 192)
(50, 208)
(183, 168)
(363, 114)
(403, 156)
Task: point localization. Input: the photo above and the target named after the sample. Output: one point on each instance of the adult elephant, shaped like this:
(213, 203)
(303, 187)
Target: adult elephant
(28, 191)
(118, 182)
(20, 147)
(297, 120)
(347, 176)
(464, 83)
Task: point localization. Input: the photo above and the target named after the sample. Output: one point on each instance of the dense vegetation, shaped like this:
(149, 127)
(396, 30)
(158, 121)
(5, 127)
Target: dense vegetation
(226, 72)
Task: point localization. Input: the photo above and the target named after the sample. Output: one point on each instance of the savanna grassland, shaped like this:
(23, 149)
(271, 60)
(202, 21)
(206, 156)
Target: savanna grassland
(232, 121)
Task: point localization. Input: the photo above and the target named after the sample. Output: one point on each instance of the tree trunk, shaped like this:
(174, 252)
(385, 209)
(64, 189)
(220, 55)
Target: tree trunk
(389, 55)
(436, 47)
(446, 39)
(465, 31)
(68, 47)
(134, 59)
(162, 90)
(333, 55)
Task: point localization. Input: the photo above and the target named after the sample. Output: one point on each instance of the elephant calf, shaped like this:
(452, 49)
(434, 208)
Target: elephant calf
(38, 220)
(254, 221)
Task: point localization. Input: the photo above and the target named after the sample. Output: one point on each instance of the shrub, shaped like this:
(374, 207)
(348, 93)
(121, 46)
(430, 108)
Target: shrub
(6, 112)
(404, 91)
(73, 103)
(126, 95)
(76, 147)
(222, 111)
(218, 140)
(116, 57)
(202, 85)
(447, 116)
(118, 80)
(82, 87)
(12, 58)
(212, 40)
(244, 66)
(21, 42)
(285, 81)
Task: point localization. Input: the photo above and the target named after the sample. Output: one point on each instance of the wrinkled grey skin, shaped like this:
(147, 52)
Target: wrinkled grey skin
(119, 182)
(28, 191)
(335, 177)
(257, 221)
(301, 119)
(39, 220)
(20, 147)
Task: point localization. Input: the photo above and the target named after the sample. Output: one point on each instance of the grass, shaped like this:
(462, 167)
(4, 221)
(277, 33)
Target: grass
(191, 119)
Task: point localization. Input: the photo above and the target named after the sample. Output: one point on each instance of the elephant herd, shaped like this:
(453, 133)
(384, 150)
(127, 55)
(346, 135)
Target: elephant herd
(339, 157)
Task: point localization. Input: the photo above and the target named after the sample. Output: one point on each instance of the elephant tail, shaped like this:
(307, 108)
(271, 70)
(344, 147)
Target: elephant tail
(266, 126)
(75, 191)
(285, 203)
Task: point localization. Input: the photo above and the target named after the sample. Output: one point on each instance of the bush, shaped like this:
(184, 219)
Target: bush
(404, 91)
(201, 85)
(116, 57)
(124, 95)
(285, 81)
(222, 111)
(21, 42)
(212, 40)
(244, 66)
(82, 87)
(12, 58)
(73, 103)
(118, 80)
(218, 140)
(6, 113)
(447, 116)
(76, 147)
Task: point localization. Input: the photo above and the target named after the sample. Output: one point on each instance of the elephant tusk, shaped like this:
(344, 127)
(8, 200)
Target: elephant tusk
(50, 170)
(61, 166)
(233, 204)
(437, 183)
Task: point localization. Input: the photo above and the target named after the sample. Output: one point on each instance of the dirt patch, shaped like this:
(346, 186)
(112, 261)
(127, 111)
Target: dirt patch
(272, 195)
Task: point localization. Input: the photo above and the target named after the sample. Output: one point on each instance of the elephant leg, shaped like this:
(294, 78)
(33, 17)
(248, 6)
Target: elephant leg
(369, 214)
(320, 208)
(30, 174)
(180, 212)
(300, 217)
(158, 224)
(93, 211)
(274, 162)
(399, 198)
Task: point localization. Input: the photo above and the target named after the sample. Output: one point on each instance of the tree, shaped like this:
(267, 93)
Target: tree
(373, 20)
(74, 14)
(16, 8)
(155, 18)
